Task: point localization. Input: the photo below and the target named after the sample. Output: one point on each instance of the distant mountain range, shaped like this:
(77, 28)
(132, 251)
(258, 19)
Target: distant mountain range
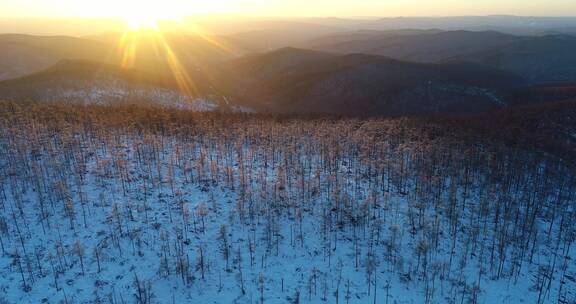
(294, 80)
(324, 70)
(414, 45)
(21, 55)
(517, 25)
(88, 82)
(536, 58)
(227, 25)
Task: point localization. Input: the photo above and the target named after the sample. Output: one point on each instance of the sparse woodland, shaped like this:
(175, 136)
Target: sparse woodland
(149, 205)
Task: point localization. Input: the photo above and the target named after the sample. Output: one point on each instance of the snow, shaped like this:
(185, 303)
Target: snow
(139, 223)
(110, 91)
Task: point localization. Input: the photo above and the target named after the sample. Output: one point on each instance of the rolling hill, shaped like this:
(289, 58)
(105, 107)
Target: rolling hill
(21, 55)
(294, 80)
(537, 59)
(288, 80)
(427, 46)
(540, 58)
(423, 72)
(88, 82)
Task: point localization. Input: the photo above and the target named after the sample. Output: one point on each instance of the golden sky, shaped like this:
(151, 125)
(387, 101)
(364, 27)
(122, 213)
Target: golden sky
(288, 8)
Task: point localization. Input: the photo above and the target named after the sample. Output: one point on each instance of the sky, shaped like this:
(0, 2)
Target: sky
(289, 8)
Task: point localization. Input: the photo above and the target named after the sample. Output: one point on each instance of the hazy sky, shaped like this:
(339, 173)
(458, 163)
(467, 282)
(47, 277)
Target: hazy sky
(320, 8)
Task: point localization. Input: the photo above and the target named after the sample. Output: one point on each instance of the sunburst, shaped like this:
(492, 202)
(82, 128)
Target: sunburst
(144, 32)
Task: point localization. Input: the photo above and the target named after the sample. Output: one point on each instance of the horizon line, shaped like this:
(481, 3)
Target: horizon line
(256, 16)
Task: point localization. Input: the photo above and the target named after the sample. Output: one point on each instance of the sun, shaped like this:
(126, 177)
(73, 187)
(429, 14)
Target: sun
(146, 15)
(141, 22)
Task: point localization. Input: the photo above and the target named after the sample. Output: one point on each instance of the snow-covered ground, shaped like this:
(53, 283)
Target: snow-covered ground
(221, 219)
(116, 91)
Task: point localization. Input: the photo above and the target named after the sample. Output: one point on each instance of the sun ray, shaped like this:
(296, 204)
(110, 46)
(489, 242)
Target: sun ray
(183, 79)
(198, 31)
(130, 44)
(127, 47)
(144, 40)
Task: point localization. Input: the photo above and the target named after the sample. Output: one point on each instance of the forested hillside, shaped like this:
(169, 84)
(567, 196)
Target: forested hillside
(153, 205)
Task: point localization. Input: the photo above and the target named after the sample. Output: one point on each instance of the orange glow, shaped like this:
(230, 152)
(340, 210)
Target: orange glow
(138, 40)
(141, 11)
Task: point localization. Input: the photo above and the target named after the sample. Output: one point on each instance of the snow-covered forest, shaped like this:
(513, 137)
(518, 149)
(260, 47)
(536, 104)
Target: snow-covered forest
(149, 205)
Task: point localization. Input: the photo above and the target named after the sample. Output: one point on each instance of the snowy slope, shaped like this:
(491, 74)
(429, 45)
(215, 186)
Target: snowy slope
(91, 214)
